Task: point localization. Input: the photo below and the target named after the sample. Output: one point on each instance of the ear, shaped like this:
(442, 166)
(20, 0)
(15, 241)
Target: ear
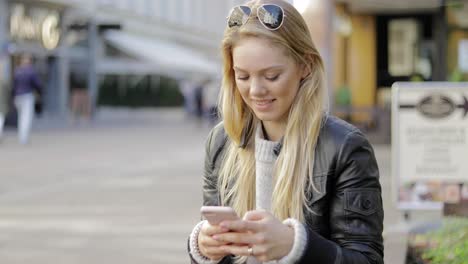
(305, 71)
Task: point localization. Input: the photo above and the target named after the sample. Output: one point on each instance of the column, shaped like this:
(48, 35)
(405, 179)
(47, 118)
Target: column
(4, 32)
(92, 74)
(3, 21)
(63, 64)
(319, 15)
(63, 81)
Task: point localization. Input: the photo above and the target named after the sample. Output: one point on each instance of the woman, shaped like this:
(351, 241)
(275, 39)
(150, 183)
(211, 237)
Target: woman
(306, 184)
(26, 82)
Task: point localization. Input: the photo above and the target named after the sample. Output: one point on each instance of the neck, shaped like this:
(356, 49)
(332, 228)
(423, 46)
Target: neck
(274, 130)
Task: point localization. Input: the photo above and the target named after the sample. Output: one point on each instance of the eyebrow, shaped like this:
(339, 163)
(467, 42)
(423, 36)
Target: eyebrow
(262, 70)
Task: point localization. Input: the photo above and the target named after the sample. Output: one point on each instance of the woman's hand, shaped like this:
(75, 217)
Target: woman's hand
(209, 247)
(268, 238)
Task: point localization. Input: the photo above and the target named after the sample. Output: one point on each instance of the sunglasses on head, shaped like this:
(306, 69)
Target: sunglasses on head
(270, 16)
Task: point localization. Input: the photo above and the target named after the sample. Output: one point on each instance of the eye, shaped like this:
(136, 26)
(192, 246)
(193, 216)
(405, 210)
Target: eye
(272, 78)
(242, 78)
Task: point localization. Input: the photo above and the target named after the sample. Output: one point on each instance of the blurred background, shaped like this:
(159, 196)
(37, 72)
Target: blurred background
(112, 172)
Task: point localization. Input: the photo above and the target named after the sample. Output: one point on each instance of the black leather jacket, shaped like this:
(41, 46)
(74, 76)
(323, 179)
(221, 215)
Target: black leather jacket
(348, 220)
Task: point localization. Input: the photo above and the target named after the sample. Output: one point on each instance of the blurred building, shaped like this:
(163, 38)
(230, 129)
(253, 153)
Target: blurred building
(376, 43)
(93, 39)
(366, 45)
(38, 28)
(383, 41)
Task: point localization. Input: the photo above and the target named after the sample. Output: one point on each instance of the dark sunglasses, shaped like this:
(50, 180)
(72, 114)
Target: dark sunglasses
(271, 16)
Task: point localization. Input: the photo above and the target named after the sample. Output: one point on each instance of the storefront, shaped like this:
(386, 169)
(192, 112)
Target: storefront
(145, 70)
(35, 28)
(377, 45)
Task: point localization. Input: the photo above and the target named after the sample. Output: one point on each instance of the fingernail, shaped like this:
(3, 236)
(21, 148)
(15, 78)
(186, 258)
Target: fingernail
(215, 237)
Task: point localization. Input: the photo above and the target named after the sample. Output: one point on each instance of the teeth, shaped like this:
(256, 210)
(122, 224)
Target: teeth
(263, 102)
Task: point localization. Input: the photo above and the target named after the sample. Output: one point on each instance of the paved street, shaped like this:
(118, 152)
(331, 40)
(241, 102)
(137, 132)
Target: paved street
(124, 189)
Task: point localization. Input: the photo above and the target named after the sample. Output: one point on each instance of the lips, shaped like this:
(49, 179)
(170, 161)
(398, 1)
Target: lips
(263, 102)
(263, 105)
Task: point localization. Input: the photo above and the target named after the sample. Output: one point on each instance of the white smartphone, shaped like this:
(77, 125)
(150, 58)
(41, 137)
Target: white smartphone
(217, 214)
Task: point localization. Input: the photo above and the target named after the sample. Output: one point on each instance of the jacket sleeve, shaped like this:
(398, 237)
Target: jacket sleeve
(214, 149)
(214, 145)
(355, 212)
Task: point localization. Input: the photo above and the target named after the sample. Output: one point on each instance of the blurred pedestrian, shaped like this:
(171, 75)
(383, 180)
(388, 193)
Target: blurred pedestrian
(210, 98)
(26, 83)
(185, 87)
(79, 102)
(343, 102)
(198, 96)
(4, 96)
(305, 183)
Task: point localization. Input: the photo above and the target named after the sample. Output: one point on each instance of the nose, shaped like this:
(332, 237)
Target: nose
(257, 88)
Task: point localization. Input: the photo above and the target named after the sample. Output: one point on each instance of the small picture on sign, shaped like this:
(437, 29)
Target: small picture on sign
(452, 193)
(421, 191)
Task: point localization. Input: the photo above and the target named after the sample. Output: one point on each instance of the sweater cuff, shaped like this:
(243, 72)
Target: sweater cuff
(300, 242)
(193, 245)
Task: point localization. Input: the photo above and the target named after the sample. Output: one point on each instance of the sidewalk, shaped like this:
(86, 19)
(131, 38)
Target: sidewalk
(120, 169)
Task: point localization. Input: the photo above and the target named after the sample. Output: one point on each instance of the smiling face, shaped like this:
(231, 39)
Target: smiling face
(266, 78)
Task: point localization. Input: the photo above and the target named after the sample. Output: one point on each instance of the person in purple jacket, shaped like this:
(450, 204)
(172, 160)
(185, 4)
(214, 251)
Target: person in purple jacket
(26, 81)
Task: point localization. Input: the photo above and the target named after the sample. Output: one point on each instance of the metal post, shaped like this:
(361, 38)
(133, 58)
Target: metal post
(63, 81)
(63, 71)
(92, 74)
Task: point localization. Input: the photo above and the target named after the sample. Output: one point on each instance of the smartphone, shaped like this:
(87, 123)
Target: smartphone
(217, 214)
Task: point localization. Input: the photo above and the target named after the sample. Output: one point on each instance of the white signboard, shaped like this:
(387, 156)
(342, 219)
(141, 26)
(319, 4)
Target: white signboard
(429, 143)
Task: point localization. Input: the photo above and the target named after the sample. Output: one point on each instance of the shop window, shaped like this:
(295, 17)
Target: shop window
(407, 49)
(402, 49)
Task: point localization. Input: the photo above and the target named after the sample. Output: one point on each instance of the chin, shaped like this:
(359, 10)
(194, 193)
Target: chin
(265, 117)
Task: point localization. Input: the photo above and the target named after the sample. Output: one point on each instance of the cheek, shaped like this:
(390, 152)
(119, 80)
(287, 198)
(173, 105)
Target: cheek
(243, 91)
(287, 91)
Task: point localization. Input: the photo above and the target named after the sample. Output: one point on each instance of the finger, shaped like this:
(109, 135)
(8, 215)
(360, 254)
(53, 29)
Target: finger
(211, 248)
(210, 230)
(242, 226)
(214, 252)
(208, 241)
(256, 215)
(238, 250)
(235, 238)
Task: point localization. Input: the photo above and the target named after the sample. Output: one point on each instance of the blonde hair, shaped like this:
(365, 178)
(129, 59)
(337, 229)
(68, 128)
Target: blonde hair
(294, 166)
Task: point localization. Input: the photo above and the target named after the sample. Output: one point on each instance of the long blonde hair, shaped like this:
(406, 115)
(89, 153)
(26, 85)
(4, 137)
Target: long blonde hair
(294, 166)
